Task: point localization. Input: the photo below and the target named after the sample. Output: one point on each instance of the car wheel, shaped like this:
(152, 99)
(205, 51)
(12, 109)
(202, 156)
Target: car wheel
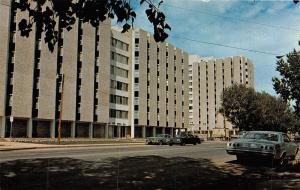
(170, 144)
(160, 143)
(240, 158)
(182, 144)
(294, 156)
(283, 161)
(194, 143)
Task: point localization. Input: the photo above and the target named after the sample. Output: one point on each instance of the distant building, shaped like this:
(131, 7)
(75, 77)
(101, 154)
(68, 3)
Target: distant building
(208, 79)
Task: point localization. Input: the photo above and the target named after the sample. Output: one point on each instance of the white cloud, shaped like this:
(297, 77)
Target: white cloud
(255, 11)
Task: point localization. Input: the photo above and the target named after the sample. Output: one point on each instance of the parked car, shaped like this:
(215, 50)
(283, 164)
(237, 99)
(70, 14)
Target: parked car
(263, 144)
(185, 139)
(238, 135)
(159, 139)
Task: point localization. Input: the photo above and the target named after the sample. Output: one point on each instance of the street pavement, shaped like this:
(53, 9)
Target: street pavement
(10, 145)
(214, 151)
(204, 166)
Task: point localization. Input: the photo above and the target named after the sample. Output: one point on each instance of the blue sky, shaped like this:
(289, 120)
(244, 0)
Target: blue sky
(268, 26)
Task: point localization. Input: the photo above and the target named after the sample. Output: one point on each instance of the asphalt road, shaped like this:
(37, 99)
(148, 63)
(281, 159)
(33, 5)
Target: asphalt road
(204, 166)
(214, 151)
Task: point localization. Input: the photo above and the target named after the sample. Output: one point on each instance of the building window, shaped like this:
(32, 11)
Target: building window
(136, 107)
(118, 44)
(136, 93)
(118, 114)
(136, 80)
(119, 58)
(118, 71)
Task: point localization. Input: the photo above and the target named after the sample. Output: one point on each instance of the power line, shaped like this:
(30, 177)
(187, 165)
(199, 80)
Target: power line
(233, 18)
(226, 46)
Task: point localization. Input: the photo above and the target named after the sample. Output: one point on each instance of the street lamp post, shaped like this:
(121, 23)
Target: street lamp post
(61, 109)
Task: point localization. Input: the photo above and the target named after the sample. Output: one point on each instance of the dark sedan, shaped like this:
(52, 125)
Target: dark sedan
(185, 139)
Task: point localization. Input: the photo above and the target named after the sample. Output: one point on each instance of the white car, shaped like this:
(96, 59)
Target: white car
(263, 144)
(159, 139)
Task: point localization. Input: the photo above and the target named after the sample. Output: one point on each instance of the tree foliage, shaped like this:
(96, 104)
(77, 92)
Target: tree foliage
(250, 110)
(237, 106)
(288, 85)
(46, 13)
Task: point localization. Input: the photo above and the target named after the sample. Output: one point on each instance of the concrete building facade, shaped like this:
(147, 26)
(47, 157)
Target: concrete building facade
(36, 84)
(120, 84)
(208, 79)
(106, 84)
(160, 86)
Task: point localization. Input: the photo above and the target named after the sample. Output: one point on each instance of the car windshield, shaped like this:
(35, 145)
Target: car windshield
(261, 136)
(161, 135)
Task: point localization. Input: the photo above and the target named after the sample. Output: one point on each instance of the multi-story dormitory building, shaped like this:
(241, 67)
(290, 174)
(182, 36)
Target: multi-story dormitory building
(208, 79)
(92, 79)
(94, 65)
(160, 90)
(107, 84)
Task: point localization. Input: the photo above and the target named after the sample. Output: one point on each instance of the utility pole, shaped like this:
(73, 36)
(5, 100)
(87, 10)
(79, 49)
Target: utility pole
(61, 108)
(11, 119)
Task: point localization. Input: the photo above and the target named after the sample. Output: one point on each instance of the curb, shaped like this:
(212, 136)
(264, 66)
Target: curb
(12, 149)
(69, 146)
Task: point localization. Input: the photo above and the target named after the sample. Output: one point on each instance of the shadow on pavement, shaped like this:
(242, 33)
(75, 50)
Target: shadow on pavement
(265, 174)
(129, 173)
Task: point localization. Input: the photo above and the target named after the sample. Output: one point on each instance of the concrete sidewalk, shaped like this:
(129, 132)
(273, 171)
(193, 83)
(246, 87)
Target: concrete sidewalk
(10, 146)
